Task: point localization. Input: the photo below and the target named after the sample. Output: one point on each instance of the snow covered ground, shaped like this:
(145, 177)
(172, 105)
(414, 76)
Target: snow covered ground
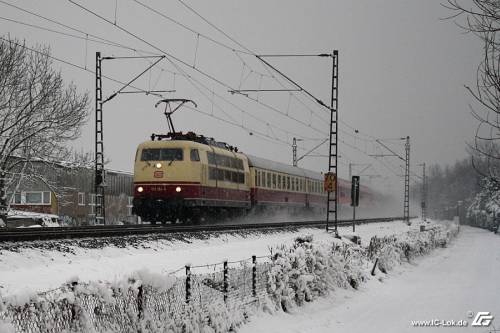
(445, 285)
(38, 268)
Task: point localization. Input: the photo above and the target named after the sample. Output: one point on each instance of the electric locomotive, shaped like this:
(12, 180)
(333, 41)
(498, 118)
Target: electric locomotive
(188, 177)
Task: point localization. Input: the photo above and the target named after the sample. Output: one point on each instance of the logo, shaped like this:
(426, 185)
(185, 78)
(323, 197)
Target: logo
(482, 319)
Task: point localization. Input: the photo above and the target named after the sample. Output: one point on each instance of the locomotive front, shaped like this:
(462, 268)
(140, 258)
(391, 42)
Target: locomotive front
(167, 175)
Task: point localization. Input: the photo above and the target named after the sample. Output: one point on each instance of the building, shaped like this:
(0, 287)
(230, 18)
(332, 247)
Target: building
(67, 191)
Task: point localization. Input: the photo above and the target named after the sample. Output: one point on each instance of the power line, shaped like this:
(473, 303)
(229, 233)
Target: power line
(171, 57)
(104, 40)
(254, 54)
(250, 130)
(98, 40)
(187, 28)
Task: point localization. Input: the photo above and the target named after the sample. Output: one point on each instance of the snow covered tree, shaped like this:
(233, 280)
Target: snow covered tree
(38, 113)
(482, 18)
(485, 206)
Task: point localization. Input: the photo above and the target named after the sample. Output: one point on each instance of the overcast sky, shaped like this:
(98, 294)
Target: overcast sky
(402, 72)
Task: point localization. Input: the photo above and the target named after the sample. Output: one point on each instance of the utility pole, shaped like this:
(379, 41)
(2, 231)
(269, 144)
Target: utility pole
(424, 194)
(406, 208)
(332, 197)
(294, 152)
(99, 181)
(100, 172)
(295, 160)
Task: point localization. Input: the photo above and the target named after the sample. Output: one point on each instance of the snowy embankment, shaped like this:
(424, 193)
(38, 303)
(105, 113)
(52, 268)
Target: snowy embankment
(39, 266)
(294, 275)
(451, 284)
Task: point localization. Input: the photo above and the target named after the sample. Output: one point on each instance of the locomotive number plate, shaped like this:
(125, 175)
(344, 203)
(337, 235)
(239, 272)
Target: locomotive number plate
(158, 174)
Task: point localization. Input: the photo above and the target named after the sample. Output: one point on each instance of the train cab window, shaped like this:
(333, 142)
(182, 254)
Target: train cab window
(162, 154)
(195, 155)
(257, 178)
(150, 155)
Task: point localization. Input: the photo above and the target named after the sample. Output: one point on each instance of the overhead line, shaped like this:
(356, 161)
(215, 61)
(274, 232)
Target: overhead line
(255, 54)
(188, 28)
(145, 91)
(182, 61)
(107, 42)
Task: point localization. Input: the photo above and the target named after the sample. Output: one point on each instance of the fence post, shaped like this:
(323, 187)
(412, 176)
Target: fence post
(254, 276)
(140, 304)
(73, 306)
(226, 282)
(374, 266)
(188, 283)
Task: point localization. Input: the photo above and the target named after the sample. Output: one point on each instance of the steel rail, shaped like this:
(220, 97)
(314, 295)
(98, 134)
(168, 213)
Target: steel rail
(51, 233)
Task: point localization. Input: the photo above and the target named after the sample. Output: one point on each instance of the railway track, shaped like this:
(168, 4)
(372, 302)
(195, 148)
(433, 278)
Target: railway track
(31, 234)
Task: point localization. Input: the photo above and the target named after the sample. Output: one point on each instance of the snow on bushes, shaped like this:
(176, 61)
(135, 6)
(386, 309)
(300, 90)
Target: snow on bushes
(484, 211)
(148, 302)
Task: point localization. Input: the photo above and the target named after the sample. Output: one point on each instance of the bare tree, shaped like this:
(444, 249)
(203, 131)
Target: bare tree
(482, 18)
(38, 113)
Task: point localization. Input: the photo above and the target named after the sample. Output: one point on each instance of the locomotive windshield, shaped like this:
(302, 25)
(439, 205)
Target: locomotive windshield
(162, 154)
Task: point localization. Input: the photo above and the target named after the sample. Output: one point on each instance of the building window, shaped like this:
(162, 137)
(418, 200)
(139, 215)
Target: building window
(92, 203)
(32, 198)
(81, 199)
(129, 206)
(46, 197)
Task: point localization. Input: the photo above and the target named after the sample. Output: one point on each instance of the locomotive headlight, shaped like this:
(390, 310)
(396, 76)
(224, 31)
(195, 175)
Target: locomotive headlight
(178, 189)
(140, 189)
(158, 165)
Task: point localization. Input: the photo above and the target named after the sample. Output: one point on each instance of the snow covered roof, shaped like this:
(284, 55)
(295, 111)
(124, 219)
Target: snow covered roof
(263, 163)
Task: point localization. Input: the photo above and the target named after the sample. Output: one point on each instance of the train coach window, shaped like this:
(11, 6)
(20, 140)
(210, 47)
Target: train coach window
(195, 156)
(279, 182)
(274, 180)
(288, 182)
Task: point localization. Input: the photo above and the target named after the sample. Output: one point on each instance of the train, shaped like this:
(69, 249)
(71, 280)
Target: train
(185, 177)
